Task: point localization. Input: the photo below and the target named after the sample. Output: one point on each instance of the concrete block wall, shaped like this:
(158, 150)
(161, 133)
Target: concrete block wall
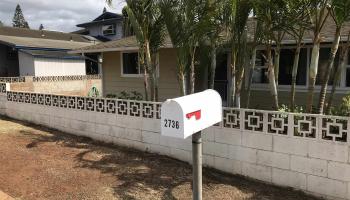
(315, 162)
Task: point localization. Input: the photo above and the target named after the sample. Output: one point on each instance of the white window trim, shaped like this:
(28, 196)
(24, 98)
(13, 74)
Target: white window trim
(140, 75)
(114, 29)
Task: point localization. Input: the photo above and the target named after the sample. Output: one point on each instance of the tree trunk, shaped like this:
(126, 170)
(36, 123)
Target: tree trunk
(294, 77)
(277, 62)
(145, 74)
(231, 99)
(212, 65)
(336, 78)
(330, 64)
(312, 74)
(192, 71)
(149, 69)
(272, 81)
(250, 76)
(182, 82)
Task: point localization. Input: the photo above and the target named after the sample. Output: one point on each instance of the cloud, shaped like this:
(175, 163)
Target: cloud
(59, 15)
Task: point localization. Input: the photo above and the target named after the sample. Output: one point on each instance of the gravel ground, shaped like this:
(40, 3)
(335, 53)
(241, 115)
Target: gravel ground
(39, 163)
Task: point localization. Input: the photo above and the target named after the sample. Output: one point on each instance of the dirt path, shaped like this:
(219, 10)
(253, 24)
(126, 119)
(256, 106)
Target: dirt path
(38, 163)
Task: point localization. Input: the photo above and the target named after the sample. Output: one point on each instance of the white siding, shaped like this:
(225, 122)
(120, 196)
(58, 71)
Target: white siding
(59, 67)
(26, 64)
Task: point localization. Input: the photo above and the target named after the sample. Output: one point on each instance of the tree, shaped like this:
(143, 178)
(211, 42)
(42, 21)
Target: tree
(297, 28)
(187, 24)
(240, 10)
(41, 27)
(339, 13)
(270, 13)
(104, 10)
(318, 16)
(147, 22)
(1, 24)
(18, 18)
(337, 74)
(127, 27)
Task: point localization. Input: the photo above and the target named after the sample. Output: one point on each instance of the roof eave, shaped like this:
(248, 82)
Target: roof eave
(134, 48)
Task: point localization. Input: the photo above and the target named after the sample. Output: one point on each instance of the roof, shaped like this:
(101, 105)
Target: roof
(104, 18)
(53, 35)
(127, 43)
(52, 54)
(130, 43)
(27, 42)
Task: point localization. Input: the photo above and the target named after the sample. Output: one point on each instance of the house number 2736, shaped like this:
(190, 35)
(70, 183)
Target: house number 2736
(171, 123)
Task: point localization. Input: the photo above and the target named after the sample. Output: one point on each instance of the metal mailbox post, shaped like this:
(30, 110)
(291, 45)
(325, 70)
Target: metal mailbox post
(187, 116)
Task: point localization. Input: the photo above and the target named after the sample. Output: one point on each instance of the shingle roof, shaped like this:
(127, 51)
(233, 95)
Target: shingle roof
(104, 18)
(128, 43)
(27, 42)
(53, 35)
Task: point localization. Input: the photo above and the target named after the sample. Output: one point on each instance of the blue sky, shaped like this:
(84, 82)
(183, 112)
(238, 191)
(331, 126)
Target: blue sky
(58, 15)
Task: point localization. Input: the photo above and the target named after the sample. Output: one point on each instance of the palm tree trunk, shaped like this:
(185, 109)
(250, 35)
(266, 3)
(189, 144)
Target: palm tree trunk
(250, 76)
(149, 69)
(271, 76)
(192, 71)
(155, 71)
(212, 65)
(312, 74)
(182, 82)
(145, 73)
(231, 99)
(328, 71)
(277, 62)
(336, 78)
(294, 76)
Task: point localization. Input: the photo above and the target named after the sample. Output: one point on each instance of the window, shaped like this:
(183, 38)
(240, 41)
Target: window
(322, 65)
(260, 72)
(108, 29)
(130, 64)
(286, 67)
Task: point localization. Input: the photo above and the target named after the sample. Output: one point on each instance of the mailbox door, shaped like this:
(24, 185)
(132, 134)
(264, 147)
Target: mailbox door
(172, 123)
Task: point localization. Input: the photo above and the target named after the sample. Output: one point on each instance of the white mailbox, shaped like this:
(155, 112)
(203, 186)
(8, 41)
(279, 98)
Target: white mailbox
(181, 117)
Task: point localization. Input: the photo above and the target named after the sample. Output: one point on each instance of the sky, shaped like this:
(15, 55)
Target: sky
(57, 15)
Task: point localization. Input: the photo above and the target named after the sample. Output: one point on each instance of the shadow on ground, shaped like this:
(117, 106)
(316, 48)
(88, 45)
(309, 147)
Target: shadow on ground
(139, 173)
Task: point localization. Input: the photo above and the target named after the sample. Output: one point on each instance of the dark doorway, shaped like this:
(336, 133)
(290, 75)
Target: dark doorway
(91, 63)
(220, 83)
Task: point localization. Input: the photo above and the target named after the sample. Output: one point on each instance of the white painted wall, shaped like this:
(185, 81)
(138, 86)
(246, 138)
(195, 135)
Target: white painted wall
(26, 64)
(311, 164)
(58, 67)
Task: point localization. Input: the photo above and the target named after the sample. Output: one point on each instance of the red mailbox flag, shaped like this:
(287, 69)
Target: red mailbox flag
(197, 115)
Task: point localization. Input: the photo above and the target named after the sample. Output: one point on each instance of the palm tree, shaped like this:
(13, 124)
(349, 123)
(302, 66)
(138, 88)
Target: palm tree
(218, 19)
(253, 48)
(318, 16)
(237, 21)
(337, 74)
(270, 13)
(340, 14)
(299, 23)
(186, 24)
(147, 23)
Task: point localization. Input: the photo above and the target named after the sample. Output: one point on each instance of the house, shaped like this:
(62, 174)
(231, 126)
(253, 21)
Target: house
(121, 71)
(106, 27)
(25, 52)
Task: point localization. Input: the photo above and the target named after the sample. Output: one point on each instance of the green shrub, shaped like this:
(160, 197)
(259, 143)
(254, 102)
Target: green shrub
(133, 95)
(343, 109)
(286, 108)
